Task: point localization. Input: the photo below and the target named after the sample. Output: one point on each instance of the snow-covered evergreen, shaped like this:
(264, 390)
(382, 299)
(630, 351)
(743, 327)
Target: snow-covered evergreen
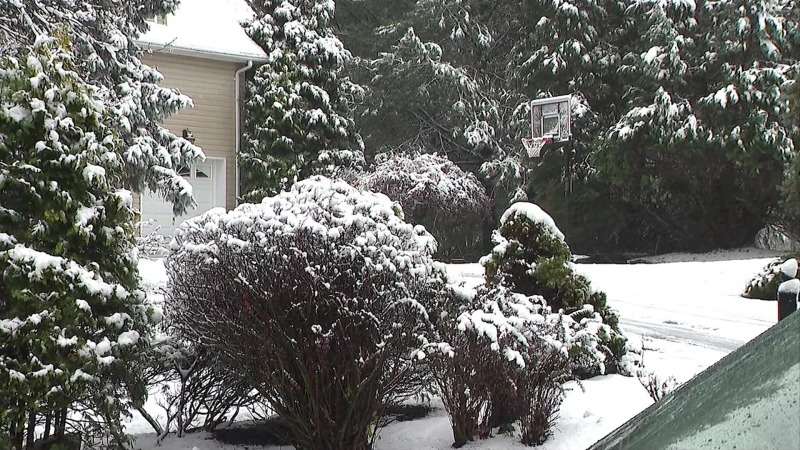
(298, 103)
(101, 34)
(72, 319)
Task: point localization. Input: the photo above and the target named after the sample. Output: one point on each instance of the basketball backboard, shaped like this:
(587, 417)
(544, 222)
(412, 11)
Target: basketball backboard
(551, 117)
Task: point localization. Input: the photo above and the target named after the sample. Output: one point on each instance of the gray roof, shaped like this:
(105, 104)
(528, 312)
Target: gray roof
(750, 399)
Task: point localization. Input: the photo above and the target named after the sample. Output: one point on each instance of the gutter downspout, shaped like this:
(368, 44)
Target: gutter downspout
(237, 76)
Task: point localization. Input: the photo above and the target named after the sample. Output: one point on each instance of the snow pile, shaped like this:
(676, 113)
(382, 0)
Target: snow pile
(533, 213)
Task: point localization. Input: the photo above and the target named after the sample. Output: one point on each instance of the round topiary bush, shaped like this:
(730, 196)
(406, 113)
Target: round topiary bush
(531, 258)
(321, 296)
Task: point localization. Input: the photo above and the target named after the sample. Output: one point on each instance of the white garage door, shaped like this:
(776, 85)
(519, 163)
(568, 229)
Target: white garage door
(208, 184)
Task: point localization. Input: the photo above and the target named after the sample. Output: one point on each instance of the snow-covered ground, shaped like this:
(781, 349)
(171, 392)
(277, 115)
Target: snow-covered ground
(685, 308)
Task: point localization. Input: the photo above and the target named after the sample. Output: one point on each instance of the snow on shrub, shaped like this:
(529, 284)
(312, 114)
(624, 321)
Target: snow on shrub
(531, 258)
(322, 296)
(436, 193)
(503, 363)
(72, 318)
(764, 285)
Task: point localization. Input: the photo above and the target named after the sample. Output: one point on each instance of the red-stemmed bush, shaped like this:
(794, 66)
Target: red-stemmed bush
(323, 297)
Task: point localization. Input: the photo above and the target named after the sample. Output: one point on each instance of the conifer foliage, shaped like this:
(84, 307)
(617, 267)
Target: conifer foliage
(72, 320)
(298, 102)
(102, 33)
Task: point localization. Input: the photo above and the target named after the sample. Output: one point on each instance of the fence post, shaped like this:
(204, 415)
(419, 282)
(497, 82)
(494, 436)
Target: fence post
(787, 298)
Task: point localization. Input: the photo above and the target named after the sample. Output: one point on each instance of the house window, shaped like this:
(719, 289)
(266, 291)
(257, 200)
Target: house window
(184, 171)
(158, 19)
(202, 171)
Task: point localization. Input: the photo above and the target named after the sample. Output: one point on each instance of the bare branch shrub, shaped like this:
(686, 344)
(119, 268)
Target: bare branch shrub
(656, 386)
(541, 390)
(502, 364)
(154, 244)
(197, 391)
(321, 296)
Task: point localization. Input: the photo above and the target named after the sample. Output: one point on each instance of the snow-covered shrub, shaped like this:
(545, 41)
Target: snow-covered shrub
(531, 258)
(764, 285)
(501, 363)
(450, 203)
(657, 388)
(72, 319)
(321, 296)
(345, 165)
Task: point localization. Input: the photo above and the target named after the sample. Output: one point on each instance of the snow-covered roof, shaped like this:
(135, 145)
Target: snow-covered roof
(207, 29)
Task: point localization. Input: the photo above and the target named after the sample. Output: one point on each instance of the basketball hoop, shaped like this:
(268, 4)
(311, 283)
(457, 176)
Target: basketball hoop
(533, 145)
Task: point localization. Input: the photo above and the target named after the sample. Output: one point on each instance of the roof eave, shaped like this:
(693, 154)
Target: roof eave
(150, 47)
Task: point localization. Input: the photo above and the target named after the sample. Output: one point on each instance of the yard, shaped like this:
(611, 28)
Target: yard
(685, 310)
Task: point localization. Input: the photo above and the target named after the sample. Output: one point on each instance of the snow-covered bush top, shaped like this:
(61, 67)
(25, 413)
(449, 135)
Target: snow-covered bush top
(506, 320)
(366, 222)
(429, 182)
(533, 213)
(510, 323)
(789, 268)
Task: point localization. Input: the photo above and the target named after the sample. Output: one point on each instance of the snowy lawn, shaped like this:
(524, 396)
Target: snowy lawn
(686, 308)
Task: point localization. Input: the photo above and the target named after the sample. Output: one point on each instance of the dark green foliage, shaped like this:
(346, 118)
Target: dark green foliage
(524, 244)
(298, 102)
(532, 258)
(73, 321)
(764, 285)
(680, 134)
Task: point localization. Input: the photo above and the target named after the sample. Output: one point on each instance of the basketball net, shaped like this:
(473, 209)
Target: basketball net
(533, 145)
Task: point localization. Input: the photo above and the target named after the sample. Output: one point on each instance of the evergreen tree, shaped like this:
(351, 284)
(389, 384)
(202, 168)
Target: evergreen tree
(102, 33)
(298, 103)
(700, 149)
(72, 320)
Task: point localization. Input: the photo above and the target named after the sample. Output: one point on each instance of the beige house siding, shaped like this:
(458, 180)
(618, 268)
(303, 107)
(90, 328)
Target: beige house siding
(211, 86)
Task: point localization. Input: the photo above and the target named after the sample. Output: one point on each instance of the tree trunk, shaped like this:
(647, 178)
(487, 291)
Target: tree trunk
(47, 419)
(153, 422)
(62, 423)
(181, 406)
(31, 432)
(18, 435)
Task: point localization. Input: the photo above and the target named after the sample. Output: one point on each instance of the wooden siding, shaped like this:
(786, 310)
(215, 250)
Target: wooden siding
(211, 86)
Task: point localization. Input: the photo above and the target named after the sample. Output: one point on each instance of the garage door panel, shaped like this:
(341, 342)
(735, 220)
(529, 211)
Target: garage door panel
(157, 213)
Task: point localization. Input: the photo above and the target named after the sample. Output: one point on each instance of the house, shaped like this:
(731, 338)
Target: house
(750, 399)
(202, 51)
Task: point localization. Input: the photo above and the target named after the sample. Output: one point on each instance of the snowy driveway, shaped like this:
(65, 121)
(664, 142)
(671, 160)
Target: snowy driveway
(687, 308)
